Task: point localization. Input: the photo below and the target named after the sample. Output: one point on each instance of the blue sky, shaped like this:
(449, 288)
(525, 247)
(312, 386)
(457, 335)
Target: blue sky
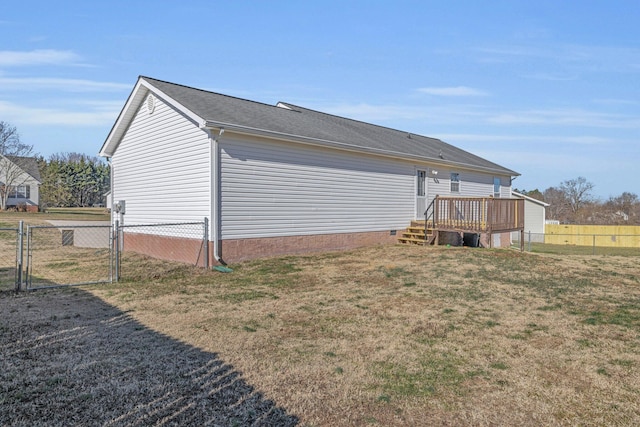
(550, 89)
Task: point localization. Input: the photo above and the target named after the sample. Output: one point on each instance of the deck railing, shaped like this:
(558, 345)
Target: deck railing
(478, 214)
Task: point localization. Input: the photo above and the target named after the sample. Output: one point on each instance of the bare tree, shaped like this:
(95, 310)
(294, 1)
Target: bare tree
(13, 158)
(577, 192)
(624, 208)
(558, 204)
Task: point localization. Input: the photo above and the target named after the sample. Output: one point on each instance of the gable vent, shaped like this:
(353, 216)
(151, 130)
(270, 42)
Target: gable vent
(151, 103)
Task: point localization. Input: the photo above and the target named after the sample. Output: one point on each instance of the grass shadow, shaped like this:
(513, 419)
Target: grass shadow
(67, 357)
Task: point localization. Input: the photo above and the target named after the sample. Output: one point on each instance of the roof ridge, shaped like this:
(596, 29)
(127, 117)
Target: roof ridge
(210, 92)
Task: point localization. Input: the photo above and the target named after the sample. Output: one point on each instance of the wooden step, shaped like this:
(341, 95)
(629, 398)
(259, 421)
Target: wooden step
(417, 230)
(410, 240)
(416, 234)
(419, 235)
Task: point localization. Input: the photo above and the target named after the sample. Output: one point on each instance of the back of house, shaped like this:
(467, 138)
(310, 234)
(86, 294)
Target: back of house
(278, 179)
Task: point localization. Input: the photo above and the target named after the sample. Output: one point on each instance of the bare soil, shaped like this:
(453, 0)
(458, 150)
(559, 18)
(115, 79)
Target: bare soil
(381, 336)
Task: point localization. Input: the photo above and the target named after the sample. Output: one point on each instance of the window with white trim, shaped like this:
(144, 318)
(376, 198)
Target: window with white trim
(455, 182)
(20, 192)
(496, 186)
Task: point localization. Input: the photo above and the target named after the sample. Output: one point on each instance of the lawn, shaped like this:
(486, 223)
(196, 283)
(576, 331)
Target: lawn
(74, 214)
(387, 336)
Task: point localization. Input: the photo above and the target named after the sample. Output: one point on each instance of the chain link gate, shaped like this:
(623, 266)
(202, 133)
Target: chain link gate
(10, 265)
(63, 255)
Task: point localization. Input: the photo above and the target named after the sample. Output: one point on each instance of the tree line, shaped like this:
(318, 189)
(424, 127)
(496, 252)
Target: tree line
(573, 202)
(73, 180)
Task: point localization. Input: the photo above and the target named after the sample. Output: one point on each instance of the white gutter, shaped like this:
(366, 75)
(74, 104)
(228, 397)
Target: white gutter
(111, 187)
(216, 220)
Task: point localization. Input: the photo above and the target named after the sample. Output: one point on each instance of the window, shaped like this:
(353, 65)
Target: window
(422, 177)
(20, 192)
(455, 182)
(496, 186)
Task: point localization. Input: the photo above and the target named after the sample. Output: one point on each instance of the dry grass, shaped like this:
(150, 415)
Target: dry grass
(403, 335)
(74, 214)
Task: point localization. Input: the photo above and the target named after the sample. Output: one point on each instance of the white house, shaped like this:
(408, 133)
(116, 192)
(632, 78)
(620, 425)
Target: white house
(534, 217)
(20, 177)
(278, 179)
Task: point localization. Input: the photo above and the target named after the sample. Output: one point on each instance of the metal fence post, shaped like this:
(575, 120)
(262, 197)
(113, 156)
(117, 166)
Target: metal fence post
(205, 242)
(27, 262)
(111, 252)
(116, 254)
(19, 260)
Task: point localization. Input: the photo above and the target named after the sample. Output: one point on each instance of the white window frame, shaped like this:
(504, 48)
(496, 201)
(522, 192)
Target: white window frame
(19, 192)
(497, 190)
(454, 185)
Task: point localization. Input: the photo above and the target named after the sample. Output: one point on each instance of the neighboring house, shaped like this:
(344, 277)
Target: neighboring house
(108, 200)
(534, 217)
(23, 177)
(278, 179)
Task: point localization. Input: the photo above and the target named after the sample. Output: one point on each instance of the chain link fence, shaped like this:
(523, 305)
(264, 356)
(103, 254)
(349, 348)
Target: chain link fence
(72, 253)
(580, 244)
(183, 242)
(8, 258)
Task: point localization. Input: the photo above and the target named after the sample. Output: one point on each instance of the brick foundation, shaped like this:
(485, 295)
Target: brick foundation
(245, 249)
(190, 251)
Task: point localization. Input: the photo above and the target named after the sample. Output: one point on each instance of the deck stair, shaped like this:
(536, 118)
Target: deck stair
(416, 234)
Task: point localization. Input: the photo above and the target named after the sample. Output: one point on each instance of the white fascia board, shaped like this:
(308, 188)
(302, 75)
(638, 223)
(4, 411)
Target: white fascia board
(137, 96)
(123, 120)
(531, 199)
(247, 130)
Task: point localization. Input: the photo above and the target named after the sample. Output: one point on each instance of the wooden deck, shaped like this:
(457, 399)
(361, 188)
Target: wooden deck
(480, 215)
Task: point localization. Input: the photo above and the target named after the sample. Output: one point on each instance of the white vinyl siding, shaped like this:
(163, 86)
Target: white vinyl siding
(161, 168)
(280, 189)
(475, 184)
(534, 220)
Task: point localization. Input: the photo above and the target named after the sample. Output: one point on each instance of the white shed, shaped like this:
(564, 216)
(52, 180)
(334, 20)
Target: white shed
(534, 217)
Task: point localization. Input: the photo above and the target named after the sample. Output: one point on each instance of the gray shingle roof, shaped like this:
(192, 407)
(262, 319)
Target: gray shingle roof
(27, 164)
(321, 127)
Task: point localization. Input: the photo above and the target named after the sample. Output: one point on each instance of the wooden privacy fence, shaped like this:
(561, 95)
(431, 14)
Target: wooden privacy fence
(478, 214)
(618, 236)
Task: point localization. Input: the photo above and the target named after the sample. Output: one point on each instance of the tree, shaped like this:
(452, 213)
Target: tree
(13, 156)
(577, 192)
(53, 190)
(624, 208)
(558, 208)
(534, 194)
(73, 179)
